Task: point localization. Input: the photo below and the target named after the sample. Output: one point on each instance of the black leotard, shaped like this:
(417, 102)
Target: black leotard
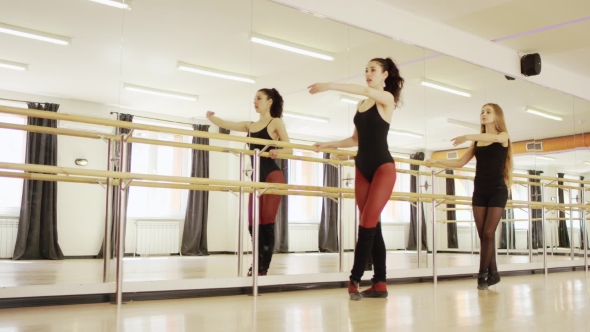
(372, 136)
(267, 165)
(489, 188)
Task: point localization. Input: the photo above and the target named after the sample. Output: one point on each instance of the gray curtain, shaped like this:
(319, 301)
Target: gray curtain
(282, 220)
(37, 226)
(507, 228)
(224, 131)
(452, 241)
(115, 167)
(328, 234)
(194, 237)
(536, 196)
(562, 232)
(413, 210)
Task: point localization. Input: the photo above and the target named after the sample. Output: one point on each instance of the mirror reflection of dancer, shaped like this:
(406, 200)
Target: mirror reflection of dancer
(375, 168)
(493, 171)
(269, 105)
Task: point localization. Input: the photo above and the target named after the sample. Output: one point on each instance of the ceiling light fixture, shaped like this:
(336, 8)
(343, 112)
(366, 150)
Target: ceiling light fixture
(291, 47)
(405, 133)
(545, 158)
(464, 124)
(587, 163)
(38, 35)
(306, 117)
(349, 99)
(13, 65)
(544, 114)
(215, 73)
(161, 93)
(445, 87)
(113, 3)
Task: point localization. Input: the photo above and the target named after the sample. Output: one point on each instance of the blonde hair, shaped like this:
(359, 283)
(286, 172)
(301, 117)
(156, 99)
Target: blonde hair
(500, 126)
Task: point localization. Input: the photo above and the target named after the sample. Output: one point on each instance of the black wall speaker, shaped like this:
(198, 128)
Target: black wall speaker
(530, 64)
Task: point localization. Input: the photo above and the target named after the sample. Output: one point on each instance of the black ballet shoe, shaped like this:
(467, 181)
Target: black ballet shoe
(493, 278)
(481, 281)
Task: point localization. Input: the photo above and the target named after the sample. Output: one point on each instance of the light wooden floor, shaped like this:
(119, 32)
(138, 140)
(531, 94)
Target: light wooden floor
(558, 302)
(70, 271)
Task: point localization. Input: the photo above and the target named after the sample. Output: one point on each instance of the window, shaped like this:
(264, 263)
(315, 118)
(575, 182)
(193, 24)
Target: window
(159, 160)
(12, 150)
(520, 193)
(305, 209)
(575, 199)
(398, 211)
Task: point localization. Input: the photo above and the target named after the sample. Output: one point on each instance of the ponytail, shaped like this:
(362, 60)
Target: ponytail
(276, 109)
(394, 82)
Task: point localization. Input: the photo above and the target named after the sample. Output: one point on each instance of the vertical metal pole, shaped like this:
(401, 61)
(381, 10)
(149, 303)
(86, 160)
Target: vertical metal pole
(255, 222)
(584, 237)
(356, 223)
(530, 231)
(120, 225)
(418, 219)
(106, 245)
(340, 225)
(508, 235)
(572, 254)
(434, 233)
(544, 221)
(241, 218)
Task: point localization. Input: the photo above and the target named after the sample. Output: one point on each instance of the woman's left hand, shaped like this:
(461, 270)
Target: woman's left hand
(318, 87)
(274, 154)
(459, 140)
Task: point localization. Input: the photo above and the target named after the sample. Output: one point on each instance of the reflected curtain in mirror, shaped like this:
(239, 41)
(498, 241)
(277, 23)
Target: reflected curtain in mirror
(414, 186)
(37, 226)
(116, 167)
(282, 219)
(194, 236)
(563, 236)
(328, 233)
(452, 241)
(536, 196)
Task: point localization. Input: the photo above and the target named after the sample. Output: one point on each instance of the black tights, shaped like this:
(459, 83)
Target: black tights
(486, 221)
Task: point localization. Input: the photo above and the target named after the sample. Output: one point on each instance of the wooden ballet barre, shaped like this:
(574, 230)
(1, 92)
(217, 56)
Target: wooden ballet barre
(51, 177)
(501, 220)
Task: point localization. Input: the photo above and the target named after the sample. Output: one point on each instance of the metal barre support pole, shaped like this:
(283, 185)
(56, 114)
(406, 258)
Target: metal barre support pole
(530, 230)
(106, 245)
(241, 218)
(544, 225)
(120, 225)
(572, 253)
(418, 220)
(340, 226)
(584, 237)
(255, 222)
(434, 234)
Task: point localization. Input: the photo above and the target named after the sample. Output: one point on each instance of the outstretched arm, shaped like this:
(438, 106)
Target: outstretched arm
(235, 126)
(382, 97)
(345, 143)
(453, 163)
(488, 138)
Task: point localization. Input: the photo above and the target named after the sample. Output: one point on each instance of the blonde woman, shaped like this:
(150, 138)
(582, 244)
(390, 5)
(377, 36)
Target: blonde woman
(493, 153)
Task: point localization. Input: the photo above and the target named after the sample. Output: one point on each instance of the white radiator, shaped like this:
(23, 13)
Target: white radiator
(8, 231)
(394, 236)
(303, 237)
(521, 239)
(157, 237)
(464, 238)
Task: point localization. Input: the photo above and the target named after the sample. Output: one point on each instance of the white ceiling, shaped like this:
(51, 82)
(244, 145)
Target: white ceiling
(142, 46)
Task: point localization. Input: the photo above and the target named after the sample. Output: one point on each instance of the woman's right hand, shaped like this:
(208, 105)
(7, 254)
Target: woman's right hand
(210, 114)
(320, 145)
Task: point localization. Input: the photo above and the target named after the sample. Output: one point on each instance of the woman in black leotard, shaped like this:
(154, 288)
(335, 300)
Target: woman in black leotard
(493, 153)
(269, 105)
(375, 168)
